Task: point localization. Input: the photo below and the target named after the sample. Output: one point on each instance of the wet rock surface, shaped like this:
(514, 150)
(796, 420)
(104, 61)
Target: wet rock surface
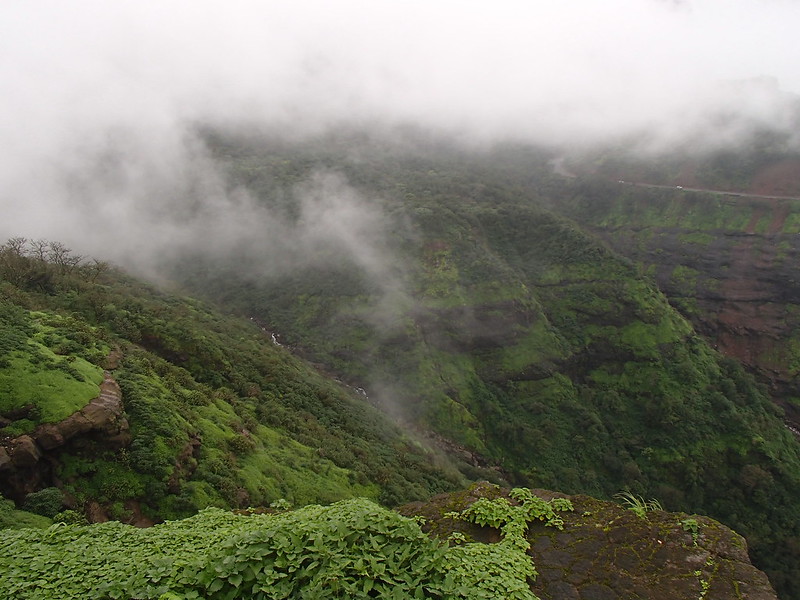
(607, 552)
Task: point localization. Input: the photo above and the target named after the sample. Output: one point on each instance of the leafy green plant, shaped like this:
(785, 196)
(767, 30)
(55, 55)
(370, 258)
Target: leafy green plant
(691, 525)
(512, 519)
(508, 560)
(705, 582)
(47, 502)
(280, 504)
(351, 549)
(70, 517)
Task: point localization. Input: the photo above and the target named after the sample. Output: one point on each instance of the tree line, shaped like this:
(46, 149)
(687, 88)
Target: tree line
(40, 265)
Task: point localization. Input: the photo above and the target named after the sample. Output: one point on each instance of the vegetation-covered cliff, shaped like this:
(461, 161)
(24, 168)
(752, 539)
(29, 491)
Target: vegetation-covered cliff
(195, 409)
(727, 263)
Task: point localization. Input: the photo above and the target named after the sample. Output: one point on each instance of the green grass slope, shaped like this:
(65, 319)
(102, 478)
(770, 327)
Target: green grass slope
(48, 367)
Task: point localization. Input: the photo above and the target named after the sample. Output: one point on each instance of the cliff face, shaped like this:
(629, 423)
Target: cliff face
(607, 552)
(728, 264)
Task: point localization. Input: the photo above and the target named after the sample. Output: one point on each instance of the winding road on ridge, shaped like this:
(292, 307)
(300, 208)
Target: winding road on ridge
(707, 191)
(560, 169)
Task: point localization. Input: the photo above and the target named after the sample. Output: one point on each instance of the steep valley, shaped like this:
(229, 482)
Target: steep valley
(460, 316)
(521, 336)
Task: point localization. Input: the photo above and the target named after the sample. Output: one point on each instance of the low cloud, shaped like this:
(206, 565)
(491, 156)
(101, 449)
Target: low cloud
(101, 101)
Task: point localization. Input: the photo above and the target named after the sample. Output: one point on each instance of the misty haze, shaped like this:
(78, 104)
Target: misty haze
(267, 256)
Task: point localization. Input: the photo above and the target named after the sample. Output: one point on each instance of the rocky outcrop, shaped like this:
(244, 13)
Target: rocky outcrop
(102, 416)
(25, 460)
(607, 552)
(24, 452)
(185, 464)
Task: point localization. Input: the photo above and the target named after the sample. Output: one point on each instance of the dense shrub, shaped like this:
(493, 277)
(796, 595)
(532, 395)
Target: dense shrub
(352, 549)
(47, 502)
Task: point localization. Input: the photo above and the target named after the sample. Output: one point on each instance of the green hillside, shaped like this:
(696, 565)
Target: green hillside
(520, 336)
(727, 263)
(47, 373)
(218, 415)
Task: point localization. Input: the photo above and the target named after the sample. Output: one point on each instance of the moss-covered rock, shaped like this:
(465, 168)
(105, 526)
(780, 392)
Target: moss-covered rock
(607, 552)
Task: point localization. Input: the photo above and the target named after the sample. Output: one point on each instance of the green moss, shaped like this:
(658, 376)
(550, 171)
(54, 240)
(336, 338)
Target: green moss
(699, 238)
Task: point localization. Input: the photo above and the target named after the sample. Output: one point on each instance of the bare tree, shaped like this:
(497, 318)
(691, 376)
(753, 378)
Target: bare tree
(94, 269)
(35, 263)
(14, 265)
(16, 245)
(62, 257)
(38, 249)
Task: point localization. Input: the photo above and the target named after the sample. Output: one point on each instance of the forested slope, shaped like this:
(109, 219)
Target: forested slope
(727, 263)
(510, 330)
(215, 414)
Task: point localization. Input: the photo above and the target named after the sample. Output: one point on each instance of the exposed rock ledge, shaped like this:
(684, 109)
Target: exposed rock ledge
(606, 552)
(21, 458)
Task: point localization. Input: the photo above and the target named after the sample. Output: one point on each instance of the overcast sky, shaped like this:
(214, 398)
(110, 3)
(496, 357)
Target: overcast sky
(119, 84)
